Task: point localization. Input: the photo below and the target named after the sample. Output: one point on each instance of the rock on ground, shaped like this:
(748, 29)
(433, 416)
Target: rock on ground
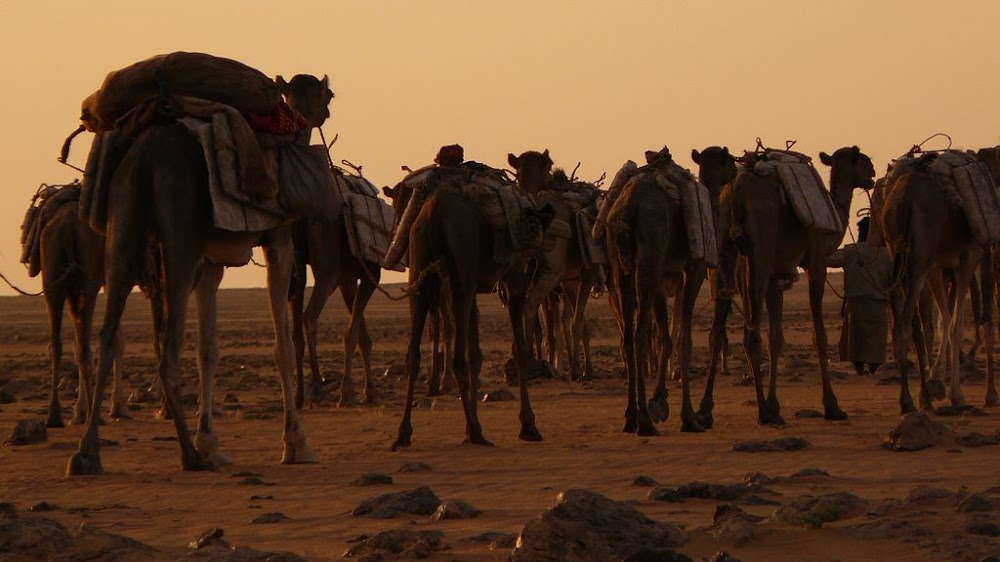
(814, 511)
(95, 544)
(455, 509)
(584, 526)
(917, 431)
(419, 501)
(35, 538)
(371, 479)
(28, 432)
(731, 526)
(772, 445)
(240, 554)
(396, 544)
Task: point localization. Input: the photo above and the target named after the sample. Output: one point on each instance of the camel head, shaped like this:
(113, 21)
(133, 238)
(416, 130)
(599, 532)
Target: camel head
(849, 168)
(533, 170)
(716, 168)
(308, 95)
(661, 156)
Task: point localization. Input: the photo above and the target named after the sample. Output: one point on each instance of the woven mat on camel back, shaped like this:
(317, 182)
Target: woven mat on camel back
(581, 198)
(802, 186)
(46, 201)
(965, 180)
(681, 185)
(367, 218)
(517, 230)
(257, 181)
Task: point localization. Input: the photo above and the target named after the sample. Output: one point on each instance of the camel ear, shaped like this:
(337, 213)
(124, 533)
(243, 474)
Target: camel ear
(548, 159)
(856, 150)
(650, 156)
(283, 86)
(696, 156)
(390, 192)
(825, 158)
(325, 81)
(512, 160)
(725, 150)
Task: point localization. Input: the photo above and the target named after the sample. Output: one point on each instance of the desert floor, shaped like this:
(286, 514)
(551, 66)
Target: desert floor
(144, 494)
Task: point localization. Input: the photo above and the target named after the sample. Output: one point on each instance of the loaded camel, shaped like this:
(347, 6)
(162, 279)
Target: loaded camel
(763, 227)
(649, 251)
(323, 245)
(451, 258)
(562, 265)
(160, 191)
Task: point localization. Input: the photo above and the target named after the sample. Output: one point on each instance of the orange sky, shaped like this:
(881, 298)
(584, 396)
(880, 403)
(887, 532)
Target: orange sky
(595, 82)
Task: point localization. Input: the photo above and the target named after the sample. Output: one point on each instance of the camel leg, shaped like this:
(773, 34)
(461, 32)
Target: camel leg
(322, 289)
(938, 289)
(418, 316)
(992, 399)
(817, 286)
(156, 311)
(626, 321)
(904, 304)
(757, 282)
(296, 303)
(278, 251)
(976, 299)
(475, 351)
(119, 404)
(356, 297)
(206, 291)
(516, 311)
(987, 286)
(546, 278)
(55, 298)
(82, 311)
(647, 289)
(963, 279)
(463, 302)
(658, 405)
(434, 376)
(776, 343)
(578, 337)
(693, 278)
(722, 289)
(448, 339)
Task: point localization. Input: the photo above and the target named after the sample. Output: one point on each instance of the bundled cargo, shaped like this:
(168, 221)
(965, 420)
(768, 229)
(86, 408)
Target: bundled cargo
(802, 185)
(187, 74)
(47, 200)
(367, 218)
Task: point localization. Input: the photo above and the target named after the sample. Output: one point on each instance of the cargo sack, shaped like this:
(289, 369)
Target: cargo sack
(305, 182)
(804, 189)
(189, 74)
(976, 190)
(593, 253)
(368, 221)
(624, 174)
(102, 161)
(46, 201)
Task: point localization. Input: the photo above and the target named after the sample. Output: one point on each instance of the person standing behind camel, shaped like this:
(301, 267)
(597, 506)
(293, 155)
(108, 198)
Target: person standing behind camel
(867, 274)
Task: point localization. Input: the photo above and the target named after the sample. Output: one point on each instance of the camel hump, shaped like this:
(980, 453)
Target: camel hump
(48, 200)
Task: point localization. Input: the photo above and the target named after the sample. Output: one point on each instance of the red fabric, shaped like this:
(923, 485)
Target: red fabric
(285, 120)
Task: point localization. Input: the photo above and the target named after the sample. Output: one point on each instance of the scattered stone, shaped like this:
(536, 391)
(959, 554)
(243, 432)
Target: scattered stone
(772, 445)
(493, 539)
(44, 506)
(36, 536)
(239, 554)
(814, 511)
(254, 481)
(808, 472)
(918, 431)
(975, 503)
(985, 528)
(498, 395)
(96, 544)
(975, 439)
(807, 414)
(245, 474)
(754, 499)
(723, 556)
(371, 479)
(211, 537)
(731, 526)
(888, 529)
(455, 509)
(255, 498)
(6, 397)
(28, 432)
(701, 490)
(759, 479)
(400, 544)
(165, 438)
(415, 467)
(646, 554)
(584, 526)
(965, 410)
(230, 398)
(644, 482)
(271, 517)
(419, 501)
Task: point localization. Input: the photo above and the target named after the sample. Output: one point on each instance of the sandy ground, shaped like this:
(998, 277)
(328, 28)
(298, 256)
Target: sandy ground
(145, 495)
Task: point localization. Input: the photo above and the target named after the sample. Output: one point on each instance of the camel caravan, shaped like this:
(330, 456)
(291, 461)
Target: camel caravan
(198, 159)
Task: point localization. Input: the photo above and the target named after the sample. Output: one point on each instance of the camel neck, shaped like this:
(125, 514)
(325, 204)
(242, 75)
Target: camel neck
(842, 192)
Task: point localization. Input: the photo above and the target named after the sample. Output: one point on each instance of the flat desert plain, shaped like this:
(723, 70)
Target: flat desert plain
(903, 505)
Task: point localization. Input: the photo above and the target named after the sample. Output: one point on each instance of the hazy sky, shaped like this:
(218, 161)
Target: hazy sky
(594, 82)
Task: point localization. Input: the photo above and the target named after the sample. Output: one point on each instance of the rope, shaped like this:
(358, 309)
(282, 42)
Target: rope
(18, 289)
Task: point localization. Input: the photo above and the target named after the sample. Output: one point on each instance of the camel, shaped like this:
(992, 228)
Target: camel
(649, 252)
(323, 245)
(72, 268)
(562, 265)
(774, 242)
(159, 192)
(451, 245)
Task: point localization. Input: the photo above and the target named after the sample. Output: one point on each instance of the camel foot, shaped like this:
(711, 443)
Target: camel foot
(434, 391)
(992, 400)
(957, 401)
(84, 464)
(631, 422)
(771, 419)
(55, 419)
(207, 444)
(834, 414)
(371, 395)
(659, 409)
(405, 436)
(300, 454)
(198, 464)
(689, 424)
(906, 405)
(705, 418)
(119, 412)
(937, 389)
(646, 428)
(529, 433)
(479, 440)
(79, 418)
